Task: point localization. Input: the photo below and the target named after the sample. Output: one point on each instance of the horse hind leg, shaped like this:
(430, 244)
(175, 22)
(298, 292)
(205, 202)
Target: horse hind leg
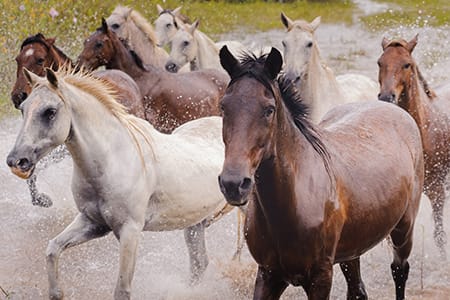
(195, 241)
(352, 274)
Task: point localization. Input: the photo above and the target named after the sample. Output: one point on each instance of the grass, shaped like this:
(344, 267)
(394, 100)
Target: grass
(77, 19)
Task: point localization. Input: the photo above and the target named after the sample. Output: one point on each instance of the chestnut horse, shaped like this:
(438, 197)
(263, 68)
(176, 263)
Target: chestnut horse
(315, 197)
(38, 53)
(169, 99)
(402, 83)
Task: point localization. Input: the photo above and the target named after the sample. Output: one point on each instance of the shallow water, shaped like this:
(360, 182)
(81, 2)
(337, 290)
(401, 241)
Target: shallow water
(90, 270)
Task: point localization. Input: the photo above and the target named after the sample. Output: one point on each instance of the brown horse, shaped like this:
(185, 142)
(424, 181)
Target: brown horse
(402, 83)
(169, 99)
(38, 53)
(315, 197)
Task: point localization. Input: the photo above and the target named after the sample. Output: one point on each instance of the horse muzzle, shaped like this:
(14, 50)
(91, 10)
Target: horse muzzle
(171, 67)
(22, 167)
(235, 188)
(387, 97)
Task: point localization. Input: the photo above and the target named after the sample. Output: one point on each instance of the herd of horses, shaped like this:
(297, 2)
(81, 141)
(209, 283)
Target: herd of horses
(322, 171)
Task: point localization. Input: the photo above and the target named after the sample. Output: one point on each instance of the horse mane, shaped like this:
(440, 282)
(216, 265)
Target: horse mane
(137, 59)
(144, 26)
(39, 38)
(426, 87)
(253, 66)
(183, 18)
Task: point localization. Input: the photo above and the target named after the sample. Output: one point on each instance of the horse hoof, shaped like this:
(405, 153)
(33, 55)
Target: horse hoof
(56, 294)
(42, 200)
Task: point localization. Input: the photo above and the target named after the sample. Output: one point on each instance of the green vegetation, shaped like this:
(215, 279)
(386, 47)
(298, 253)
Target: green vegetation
(411, 13)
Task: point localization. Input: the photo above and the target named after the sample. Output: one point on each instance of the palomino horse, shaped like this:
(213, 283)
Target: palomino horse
(316, 82)
(402, 83)
(316, 199)
(38, 53)
(126, 175)
(131, 26)
(169, 99)
(166, 24)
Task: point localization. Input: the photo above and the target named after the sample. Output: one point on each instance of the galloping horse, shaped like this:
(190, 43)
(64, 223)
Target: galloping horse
(315, 197)
(38, 53)
(126, 174)
(316, 82)
(169, 99)
(131, 26)
(402, 83)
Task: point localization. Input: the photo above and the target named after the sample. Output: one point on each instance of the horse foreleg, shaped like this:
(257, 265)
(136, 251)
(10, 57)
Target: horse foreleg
(195, 241)
(436, 193)
(268, 285)
(352, 274)
(128, 235)
(79, 231)
(318, 286)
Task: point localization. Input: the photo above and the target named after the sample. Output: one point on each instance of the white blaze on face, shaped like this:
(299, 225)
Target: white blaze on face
(29, 52)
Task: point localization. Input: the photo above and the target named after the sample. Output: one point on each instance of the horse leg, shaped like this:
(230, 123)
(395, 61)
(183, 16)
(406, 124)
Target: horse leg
(195, 241)
(401, 238)
(128, 235)
(352, 274)
(38, 199)
(79, 231)
(436, 193)
(268, 285)
(319, 285)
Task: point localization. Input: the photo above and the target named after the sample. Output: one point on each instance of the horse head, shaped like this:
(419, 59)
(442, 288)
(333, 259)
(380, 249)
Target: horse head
(184, 48)
(397, 68)
(248, 121)
(167, 24)
(36, 54)
(46, 123)
(298, 45)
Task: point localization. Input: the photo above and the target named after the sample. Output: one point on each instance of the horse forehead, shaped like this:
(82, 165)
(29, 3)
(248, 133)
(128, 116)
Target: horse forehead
(298, 33)
(394, 55)
(164, 18)
(246, 88)
(31, 50)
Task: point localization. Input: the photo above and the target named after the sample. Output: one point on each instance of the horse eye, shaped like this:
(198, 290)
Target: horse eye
(115, 26)
(185, 43)
(40, 61)
(49, 114)
(269, 111)
(406, 66)
(98, 45)
(169, 25)
(309, 45)
(283, 43)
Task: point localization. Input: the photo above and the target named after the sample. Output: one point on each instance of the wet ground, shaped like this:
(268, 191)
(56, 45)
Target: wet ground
(89, 271)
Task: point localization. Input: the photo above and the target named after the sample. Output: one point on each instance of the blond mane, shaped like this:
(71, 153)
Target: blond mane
(106, 94)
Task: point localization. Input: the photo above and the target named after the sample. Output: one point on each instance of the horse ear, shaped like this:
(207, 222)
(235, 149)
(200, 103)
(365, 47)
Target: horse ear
(286, 21)
(412, 43)
(159, 8)
(193, 26)
(104, 26)
(384, 42)
(228, 61)
(273, 63)
(128, 13)
(31, 77)
(50, 41)
(176, 11)
(51, 77)
(315, 23)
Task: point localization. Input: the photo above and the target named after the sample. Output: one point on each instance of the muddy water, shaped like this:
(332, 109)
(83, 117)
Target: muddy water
(90, 270)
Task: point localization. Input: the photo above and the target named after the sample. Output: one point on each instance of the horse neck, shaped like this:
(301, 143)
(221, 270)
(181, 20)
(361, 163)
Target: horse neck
(415, 100)
(320, 88)
(277, 175)
(148, 51)
(207, 51)
(123, 60)
(59, 58)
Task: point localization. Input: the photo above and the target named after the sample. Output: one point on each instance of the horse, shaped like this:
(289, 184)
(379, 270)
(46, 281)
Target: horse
(167, 22)
(131, 26)
(169, 99)
(402, 83)
(38, 53)
(317, 84)
(314, 198)
(126, 174)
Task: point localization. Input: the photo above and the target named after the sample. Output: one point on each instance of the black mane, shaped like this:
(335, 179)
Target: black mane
(253, 66)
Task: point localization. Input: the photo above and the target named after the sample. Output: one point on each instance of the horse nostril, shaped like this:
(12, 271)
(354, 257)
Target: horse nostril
(23, 163)
(171, 67)
(23, 96)
(245, 184)
(379, 96)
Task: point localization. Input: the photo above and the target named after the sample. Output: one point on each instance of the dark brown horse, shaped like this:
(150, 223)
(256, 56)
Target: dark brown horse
(169, 99)
(38, 53)
(402, 83)
(318, 195)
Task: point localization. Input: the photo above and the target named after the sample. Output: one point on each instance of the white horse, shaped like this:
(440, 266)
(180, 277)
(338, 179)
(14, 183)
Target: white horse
(131, 26)
(127, 176)
(166, 24)
(316, 82)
